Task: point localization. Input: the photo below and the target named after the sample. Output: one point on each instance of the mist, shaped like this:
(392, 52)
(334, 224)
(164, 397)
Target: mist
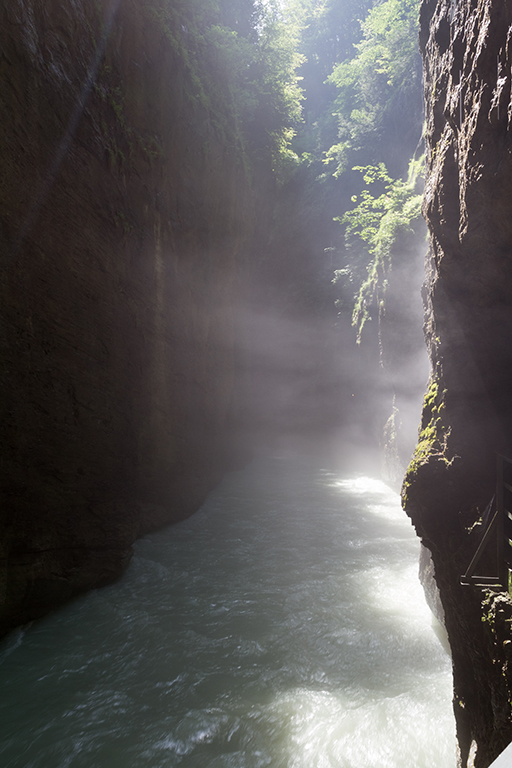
(173, 214)
(195, 407)
(313, 386)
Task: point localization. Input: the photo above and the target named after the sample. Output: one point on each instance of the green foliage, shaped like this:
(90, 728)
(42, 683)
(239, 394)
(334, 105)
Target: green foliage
(330, 29)
(275, 82)
(241, 57)
(378, 222)
(290, 83)
(362, 108)
(433, 435)
(379, 86)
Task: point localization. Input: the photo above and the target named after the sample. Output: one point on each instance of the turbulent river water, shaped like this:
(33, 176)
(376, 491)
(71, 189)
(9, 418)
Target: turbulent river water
(283, 625)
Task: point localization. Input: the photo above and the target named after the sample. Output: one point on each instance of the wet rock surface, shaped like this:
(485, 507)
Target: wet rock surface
(124, 220)
(467, 415)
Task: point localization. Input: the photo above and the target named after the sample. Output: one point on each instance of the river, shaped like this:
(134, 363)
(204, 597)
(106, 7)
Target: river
(282, 625)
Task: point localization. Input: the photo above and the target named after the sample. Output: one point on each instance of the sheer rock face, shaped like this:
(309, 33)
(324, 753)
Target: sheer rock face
(467, 416)
(123, 220)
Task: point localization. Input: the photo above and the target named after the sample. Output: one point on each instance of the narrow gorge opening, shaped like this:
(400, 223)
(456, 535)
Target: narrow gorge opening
(212, 257)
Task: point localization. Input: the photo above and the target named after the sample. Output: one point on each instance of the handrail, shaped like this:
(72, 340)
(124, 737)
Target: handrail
(500, 526)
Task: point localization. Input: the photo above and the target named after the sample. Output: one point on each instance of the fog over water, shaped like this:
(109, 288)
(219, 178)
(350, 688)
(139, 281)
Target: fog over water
(282, 625)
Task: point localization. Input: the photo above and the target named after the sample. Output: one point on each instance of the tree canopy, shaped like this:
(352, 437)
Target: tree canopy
(242, 58)
(328, 93)
(379, 88)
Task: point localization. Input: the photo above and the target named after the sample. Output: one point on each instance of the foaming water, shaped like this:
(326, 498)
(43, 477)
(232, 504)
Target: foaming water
(282, 625)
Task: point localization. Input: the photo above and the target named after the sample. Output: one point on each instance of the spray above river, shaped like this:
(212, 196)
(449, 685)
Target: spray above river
(282, 625)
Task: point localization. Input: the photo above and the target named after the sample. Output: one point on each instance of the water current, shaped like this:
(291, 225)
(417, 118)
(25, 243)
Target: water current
(282, 625)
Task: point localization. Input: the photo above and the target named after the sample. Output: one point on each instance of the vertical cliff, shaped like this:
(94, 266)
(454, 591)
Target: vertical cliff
(127, 212)
(467, 415)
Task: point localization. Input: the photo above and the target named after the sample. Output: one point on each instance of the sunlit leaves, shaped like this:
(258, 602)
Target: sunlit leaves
(241, 57)
(378, 221)
(378, 80)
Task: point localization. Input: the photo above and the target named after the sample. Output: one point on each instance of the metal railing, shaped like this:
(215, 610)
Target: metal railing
(497, 522)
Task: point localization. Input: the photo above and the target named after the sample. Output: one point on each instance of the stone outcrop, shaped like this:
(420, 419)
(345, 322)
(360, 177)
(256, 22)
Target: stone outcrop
(126, 215)
(467, 415)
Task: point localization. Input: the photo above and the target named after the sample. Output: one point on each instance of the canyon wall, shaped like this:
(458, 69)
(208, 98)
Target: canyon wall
(467, 415)
(127, 215)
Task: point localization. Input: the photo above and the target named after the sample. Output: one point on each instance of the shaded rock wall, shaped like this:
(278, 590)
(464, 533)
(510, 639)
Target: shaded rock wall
(125, 217)
(467, 415)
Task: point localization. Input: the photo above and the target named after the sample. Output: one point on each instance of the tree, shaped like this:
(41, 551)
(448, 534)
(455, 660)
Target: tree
(379, 99)
(241, 57)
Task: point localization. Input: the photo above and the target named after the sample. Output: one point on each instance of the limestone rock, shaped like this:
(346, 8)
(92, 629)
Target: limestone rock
(467, 415)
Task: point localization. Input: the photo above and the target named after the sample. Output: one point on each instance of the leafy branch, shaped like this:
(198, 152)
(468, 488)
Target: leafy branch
(378, 222)
(379, 83)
